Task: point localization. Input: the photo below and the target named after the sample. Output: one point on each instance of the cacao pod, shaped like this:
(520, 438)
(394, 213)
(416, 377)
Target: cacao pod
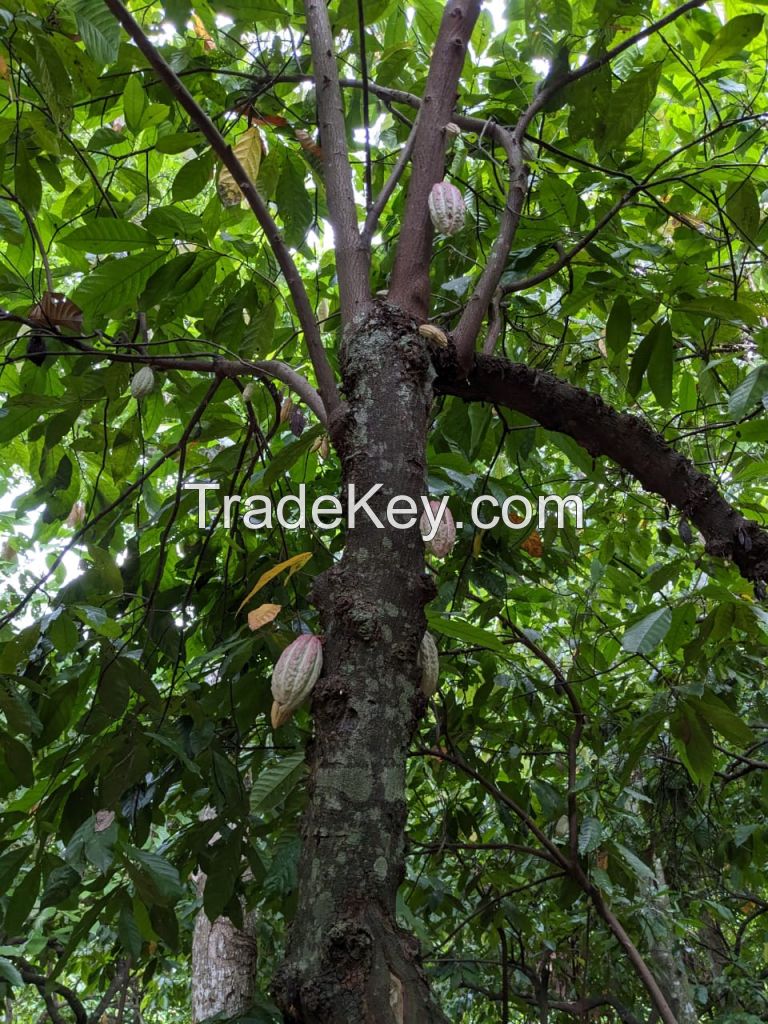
(295, 674)
(143, 382)
(429, 663)
(298, 422)
(434, 334)
(442, 543)
(446, 208)
(248, 392)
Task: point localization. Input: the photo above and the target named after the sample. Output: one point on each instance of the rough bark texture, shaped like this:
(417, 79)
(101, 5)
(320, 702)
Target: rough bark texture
(627, 440)
(223, 967)
(347, 961)
(223, 958)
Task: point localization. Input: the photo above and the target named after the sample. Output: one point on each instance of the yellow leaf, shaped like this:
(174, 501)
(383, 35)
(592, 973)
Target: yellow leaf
(294, 564)
(477, 544)
(202, 32)
(248, 150)
(262, 615)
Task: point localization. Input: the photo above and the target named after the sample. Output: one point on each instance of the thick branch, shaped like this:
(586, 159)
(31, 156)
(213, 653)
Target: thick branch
(351, 253)
(409, 286)
(625, 439)
(325, 379)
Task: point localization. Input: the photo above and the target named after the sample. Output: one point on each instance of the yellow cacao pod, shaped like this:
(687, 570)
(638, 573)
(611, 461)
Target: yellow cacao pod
(294, 676)
(429, 663)
(434, 334)
(280, 714)
(442, 543)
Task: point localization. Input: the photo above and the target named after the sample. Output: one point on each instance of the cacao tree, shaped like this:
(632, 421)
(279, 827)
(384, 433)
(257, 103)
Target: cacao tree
(257, 253)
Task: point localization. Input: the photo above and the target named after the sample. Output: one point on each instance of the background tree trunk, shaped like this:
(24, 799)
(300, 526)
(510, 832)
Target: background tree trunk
(347, 960)
(223, 959)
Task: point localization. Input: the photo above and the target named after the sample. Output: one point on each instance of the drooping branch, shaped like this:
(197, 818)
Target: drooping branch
(409, 286)
(351, 254)
(626, 439)
(263, 369)
(325, 378)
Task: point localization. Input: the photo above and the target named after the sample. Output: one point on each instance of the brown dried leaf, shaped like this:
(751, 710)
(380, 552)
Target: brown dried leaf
(56, 310)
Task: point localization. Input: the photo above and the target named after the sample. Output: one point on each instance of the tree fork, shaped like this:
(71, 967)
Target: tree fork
(346, 959)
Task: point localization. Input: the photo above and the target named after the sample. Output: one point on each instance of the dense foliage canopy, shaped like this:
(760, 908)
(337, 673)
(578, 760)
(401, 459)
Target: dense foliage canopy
(602, 688)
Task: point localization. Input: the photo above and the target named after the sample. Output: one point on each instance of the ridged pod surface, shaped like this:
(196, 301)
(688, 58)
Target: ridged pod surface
(446, 208)
(295, 674)
(143, 382)
(442, 543)
(429, 663)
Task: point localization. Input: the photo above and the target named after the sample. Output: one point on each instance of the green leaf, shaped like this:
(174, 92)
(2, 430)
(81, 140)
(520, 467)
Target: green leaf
(113, 286)
(27, 184)
(193, 177)
(293, 201)
(732, 38)
(273, 785)
(458, 629)
(643, 636)
(618, 329)
(661, 365)
(750, 392)
(722, 719)
(11, 227)
(642, 357)
(721, 308)
(99, 29)
(156, 879)
(134, 103)
(108, 235)
(693, 739)
(9, 973)
(590, 834)
(743, 207)
(639, 867)
(290, 454)
(629, 105)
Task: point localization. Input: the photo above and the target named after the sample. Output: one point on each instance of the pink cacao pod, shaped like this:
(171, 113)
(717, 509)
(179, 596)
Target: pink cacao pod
(446, 208)
(295, 674)
(442, 543)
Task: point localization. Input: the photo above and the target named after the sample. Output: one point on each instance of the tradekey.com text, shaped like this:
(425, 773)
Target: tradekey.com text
(402, 512)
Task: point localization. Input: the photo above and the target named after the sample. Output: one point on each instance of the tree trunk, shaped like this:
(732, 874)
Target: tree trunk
(223, 958)
(347, 960)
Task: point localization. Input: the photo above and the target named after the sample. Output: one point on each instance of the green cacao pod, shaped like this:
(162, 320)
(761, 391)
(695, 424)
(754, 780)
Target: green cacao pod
(143, 382)
(294, 676)
(429, 663)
